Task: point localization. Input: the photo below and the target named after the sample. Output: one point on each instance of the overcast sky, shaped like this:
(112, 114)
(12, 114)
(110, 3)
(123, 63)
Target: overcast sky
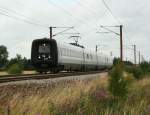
(22, 21)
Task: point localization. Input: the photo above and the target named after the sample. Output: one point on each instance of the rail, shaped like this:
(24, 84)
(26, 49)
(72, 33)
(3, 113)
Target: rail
(12, 78)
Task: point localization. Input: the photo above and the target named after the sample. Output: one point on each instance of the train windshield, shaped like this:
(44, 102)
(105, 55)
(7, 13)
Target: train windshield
(44, 52)
(44, 48)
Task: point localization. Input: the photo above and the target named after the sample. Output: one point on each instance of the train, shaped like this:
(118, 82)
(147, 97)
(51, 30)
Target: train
(50, 55)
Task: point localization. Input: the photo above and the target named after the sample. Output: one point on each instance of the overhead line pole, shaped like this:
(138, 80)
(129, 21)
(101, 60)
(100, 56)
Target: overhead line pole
(119, 34)
(134, 54)
(96, 48)
(121, 44)
(139, 57)
(51, 32)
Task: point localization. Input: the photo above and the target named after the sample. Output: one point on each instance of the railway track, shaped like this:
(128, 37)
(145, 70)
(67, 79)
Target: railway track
(12, 78)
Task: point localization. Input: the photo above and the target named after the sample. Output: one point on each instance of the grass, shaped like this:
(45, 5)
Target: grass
(3, 73)
(29, 72)
(24, 72)
(76, 98)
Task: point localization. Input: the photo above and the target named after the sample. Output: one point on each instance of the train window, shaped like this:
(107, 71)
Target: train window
(64, 52)
(67, 52)
(87, 56)
(91, 56)
(61, 52)
(80, 54)
(70, 53)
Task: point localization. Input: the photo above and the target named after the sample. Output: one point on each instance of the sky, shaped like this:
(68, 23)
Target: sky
(22, 21)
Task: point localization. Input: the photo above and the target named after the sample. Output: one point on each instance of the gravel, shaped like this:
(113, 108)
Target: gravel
(54, 80)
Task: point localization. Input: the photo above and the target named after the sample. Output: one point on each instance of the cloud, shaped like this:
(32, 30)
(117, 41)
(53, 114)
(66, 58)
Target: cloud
(85, 15)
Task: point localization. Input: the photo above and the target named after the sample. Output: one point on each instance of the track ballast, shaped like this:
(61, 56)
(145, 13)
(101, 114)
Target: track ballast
(12, 78)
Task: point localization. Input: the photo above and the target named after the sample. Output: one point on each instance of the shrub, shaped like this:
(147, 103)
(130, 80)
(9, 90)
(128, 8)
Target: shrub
(129, 77)
(116, 61)
(136, 71)
(16, 68)
(145, 66)
(117, 83)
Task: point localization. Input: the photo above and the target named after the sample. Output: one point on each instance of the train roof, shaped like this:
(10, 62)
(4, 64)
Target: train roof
(72, 46)
(68, 45)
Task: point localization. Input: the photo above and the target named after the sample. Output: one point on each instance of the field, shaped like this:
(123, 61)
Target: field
(75, 98)
(24, 72)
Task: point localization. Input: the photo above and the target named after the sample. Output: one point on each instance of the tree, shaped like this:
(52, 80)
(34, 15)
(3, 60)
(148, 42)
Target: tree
(118, 85)
(129, 63)
(116, 61)
(145, 66)
(3, 56)
(15, 65)
(23, 62)
(18, 59)
(27, 64)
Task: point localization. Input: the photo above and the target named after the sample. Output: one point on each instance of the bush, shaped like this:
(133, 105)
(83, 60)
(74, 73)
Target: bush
(116, 61)
(145, 66)
(16, 68)
(117, 83)
(136, 71)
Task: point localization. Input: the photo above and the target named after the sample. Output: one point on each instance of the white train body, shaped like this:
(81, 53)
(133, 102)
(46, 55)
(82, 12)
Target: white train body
(74, 57)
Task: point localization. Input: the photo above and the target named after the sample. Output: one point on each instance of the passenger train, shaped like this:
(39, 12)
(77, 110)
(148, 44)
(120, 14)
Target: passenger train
(51, 55)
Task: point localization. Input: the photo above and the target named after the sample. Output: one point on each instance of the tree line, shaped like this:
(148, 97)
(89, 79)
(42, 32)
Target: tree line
(17, 62)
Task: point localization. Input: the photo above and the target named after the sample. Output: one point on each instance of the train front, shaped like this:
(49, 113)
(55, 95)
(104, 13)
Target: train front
(44, 54)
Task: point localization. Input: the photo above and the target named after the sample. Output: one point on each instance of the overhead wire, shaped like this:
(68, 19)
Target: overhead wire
(128, 55)
(127, 35)
(86, 7)
(18, 2)
(92, 12)
(26, 21)
(63, 31)
(30, 22)
(16, 13)
(81, 21)
(17, 16)
(60, 8)
(108, 8)
(117, 20)
(71, 15)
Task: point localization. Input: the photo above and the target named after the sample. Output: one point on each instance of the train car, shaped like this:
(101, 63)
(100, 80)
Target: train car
(50, 55)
